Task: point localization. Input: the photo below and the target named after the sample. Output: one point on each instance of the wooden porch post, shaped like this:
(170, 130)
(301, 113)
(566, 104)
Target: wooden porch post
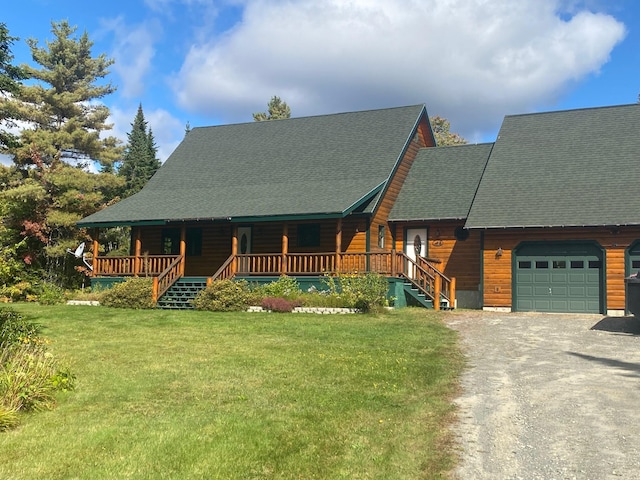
(136, 251)
(234, 250)
(183, 248)
(452, 293)
(338, 245)
(437, 288)
(393, 250)
(96, 249)
(285, 248)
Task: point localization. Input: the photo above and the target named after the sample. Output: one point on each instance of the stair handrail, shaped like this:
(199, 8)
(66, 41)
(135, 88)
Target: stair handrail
(430, 281)
(224, 272)
(166, 279)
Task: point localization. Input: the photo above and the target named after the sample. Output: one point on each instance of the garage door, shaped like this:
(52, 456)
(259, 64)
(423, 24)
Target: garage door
(558, 278)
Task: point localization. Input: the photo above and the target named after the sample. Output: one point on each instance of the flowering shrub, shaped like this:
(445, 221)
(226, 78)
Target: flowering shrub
(278, 304)
(366, 292)
(285, 287)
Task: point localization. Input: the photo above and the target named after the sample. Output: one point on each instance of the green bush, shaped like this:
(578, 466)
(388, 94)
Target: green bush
(135, 292)
(50, 294)
(30, 376)
(224, 296)
(284, 287)
(15, 328)
(366, 292)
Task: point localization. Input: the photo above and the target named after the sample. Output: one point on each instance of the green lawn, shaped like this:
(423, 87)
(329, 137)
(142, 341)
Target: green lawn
(198, 395)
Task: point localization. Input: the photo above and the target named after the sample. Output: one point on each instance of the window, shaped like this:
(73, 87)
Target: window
(524, 264)
(309, 235)
(381, 233)
(542, 264)
(559, 264)
(194, 242)
(170, 241)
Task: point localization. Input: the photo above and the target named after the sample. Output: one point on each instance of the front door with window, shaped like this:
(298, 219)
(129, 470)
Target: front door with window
(415, 245)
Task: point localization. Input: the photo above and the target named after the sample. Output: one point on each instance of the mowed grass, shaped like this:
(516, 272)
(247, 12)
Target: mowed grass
(198, 395)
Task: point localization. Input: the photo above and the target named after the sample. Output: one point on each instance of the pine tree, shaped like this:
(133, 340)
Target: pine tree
(139, 162)
(10, 78)
(276, 109)
(45, 198)
(60, 106)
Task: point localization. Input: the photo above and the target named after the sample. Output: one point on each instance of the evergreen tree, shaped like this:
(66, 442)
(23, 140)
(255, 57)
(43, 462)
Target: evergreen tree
(44, 195)
(276, 109)
(65, 119)
(140, 161)
(10, 78)
(442, 131)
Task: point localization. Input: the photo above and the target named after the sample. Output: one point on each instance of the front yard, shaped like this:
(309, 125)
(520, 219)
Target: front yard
(190, 395)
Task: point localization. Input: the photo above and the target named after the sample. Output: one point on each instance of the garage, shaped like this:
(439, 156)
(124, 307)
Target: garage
(558, 277)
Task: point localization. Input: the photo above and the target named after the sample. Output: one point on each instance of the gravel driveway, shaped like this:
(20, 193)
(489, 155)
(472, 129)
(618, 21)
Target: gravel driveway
(548, 396)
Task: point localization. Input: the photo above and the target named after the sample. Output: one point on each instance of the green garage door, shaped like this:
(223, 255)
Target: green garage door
(558, 278)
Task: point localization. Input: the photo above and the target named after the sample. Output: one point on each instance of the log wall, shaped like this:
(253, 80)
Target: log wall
(497, 291)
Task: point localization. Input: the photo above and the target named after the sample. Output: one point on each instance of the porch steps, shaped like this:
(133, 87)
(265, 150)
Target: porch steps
(181, 293)
(422, 299)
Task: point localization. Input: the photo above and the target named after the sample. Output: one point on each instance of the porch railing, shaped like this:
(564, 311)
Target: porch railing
(167, 277)
(150, 265)
(166, 269)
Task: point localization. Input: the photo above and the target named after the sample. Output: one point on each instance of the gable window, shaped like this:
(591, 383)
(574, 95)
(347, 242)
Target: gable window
(381, 233)
(309, 235)
(170, 241)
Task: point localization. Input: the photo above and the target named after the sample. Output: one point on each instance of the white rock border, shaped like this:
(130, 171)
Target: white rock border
(317, 310)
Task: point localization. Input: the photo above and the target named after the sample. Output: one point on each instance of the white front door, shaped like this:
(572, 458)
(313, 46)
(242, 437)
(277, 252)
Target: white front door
(415, 245)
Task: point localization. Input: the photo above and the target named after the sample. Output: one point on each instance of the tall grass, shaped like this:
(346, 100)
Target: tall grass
(200, 395)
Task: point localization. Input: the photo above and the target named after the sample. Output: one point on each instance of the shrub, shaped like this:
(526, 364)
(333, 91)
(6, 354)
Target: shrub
(19, 291)
(285, 287)
(278, 304)
(224, 296)
(50, 294)
(15, 328)
(366, 292)
(29, 379)
(135, 292)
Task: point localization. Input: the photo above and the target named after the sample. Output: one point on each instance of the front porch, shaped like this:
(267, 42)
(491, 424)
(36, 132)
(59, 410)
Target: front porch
(165, 270)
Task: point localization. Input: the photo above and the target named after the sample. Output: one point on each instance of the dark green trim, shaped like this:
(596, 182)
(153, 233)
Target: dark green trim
(366, 198)
(141, 223)
(627, 258)
(482, 269)
(560, 243)
(283, 218)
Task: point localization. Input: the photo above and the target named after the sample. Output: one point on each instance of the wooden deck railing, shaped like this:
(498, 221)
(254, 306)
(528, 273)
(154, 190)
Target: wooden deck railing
(168, 277)
(150, 265)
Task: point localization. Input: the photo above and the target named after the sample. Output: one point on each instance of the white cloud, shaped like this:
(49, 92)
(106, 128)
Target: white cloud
(469, 60)
(133, 52)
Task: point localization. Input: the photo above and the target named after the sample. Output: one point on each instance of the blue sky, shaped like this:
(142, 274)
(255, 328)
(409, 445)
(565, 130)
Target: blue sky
(210, 62)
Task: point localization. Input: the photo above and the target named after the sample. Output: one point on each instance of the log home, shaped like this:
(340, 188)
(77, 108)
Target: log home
(544, 219)
(302, 197)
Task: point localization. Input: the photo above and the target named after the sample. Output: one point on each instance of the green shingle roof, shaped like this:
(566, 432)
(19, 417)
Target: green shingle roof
(568, 168)
(441, 183)
(322, 165)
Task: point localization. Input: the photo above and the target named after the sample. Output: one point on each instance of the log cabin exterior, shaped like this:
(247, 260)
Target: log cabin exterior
(301, 197)
(544, 219)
